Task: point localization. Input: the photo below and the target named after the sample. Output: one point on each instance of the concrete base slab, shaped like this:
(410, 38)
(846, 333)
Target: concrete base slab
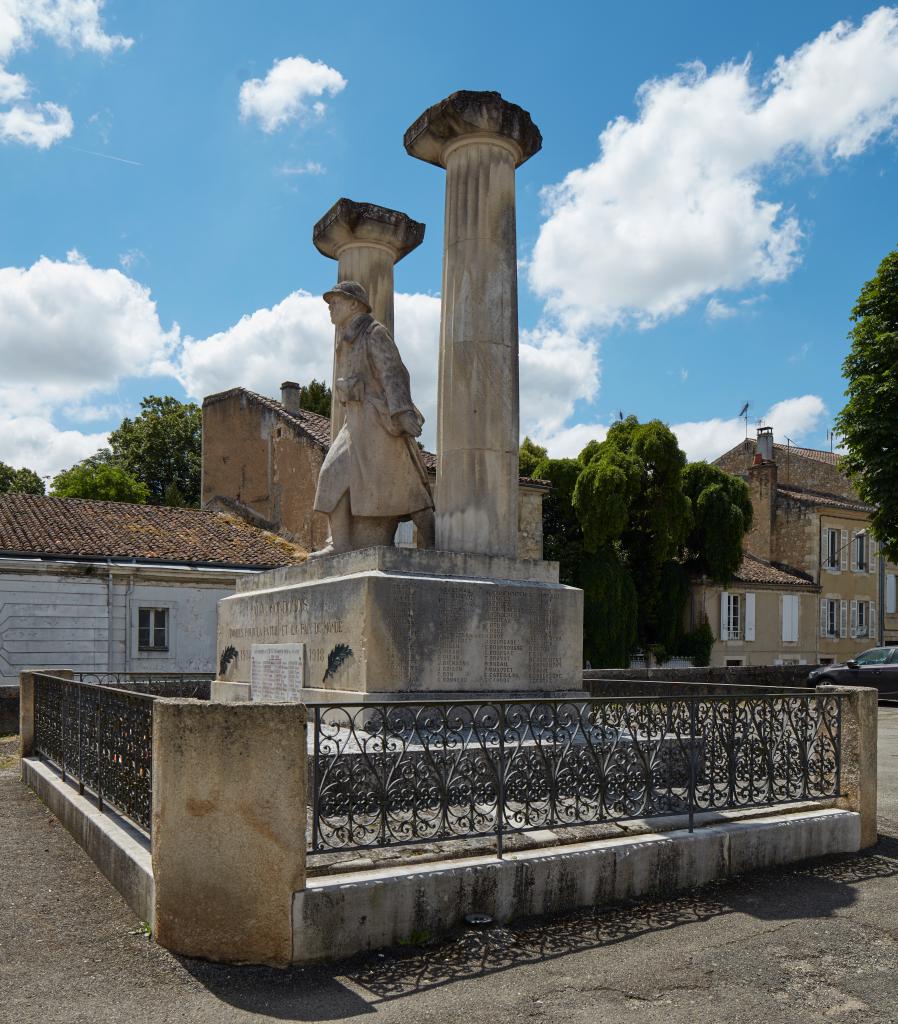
(337, 916)
(118, 849)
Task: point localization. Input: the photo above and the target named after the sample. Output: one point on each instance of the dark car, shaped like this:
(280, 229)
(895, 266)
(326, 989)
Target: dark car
(877, 667)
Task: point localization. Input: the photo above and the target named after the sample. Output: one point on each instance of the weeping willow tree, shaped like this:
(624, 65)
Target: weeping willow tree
(629, 522)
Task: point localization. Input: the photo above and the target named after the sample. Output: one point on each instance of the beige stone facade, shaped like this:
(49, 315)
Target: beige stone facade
(812, 570)
(261, 459)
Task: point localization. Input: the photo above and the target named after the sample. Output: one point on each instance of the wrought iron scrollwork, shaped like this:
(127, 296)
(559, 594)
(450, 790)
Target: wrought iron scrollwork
(101, 737)
(413, 772)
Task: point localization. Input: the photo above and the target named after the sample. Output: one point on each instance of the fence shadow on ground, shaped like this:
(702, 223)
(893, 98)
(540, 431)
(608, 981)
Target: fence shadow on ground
(817, 889)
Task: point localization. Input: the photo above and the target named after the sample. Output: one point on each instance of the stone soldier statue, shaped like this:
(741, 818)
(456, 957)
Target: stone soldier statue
(372, 477)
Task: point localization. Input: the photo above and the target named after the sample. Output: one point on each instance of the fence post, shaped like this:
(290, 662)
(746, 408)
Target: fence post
(26, 715)
(229, 827)
(858, 761)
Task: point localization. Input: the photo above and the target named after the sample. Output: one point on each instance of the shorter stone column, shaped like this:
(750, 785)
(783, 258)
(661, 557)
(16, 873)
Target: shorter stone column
(367, 241)
(858, 774)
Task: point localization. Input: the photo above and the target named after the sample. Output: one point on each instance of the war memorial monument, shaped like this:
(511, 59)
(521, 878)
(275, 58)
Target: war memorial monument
(460, 614)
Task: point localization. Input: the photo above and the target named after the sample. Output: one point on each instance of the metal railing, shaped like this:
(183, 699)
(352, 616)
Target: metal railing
(390, 774)
(100, 737)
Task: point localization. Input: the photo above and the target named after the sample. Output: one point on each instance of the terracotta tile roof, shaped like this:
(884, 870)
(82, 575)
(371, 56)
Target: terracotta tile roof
(820, 499)
(318, 428)
(68, 527)
(818, 455)
(757, 570)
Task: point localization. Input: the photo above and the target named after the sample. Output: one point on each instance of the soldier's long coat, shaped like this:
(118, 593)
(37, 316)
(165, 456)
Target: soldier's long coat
(379, 465)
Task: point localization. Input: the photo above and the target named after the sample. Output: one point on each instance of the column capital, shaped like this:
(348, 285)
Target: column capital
(478, 114)
(350, 223)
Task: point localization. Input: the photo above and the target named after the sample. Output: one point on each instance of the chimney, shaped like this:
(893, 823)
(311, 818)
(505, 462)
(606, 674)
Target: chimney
(290, 397)
(765, 443)
(762, 480)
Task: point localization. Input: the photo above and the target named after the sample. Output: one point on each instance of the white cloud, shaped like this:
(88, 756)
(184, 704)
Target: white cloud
(70, 331)
(568, 442)
(33, 441)
(39, 125)
(557, 369)
(69, 23)
(309, 167)
(717, 310)
(676, 206)
(283, 94)
(794, 418)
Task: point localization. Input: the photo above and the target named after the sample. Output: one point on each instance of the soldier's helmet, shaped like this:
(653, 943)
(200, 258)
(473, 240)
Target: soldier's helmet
(353, 290)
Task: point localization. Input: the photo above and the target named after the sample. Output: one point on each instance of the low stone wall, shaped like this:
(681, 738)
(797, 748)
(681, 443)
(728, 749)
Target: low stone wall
(634, 682)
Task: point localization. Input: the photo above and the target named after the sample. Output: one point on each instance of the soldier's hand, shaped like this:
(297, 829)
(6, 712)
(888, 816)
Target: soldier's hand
(408, 423)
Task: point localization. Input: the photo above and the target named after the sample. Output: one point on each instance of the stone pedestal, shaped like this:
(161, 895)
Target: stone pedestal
(396, 623)
(480, 139)
(367, 241)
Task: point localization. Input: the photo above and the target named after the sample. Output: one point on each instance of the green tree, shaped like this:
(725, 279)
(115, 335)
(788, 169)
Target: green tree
(867, 422)
(629, 521)
(721, 516)
(101, 481)
(530, 455)
(19, 481)
(315, 397)
(162, 448)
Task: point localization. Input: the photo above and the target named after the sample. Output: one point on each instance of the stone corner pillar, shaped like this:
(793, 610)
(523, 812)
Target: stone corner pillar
(480, 139)
(229, 828)
(859, 738)
(367, 241)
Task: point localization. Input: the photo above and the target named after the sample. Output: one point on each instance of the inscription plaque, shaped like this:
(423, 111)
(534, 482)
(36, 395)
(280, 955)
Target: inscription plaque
(277, 672)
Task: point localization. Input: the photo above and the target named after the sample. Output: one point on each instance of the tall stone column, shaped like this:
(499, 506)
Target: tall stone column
(480, 139)
(367, 241)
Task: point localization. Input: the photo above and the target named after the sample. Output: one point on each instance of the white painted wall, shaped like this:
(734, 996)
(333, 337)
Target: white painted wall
(72, 616)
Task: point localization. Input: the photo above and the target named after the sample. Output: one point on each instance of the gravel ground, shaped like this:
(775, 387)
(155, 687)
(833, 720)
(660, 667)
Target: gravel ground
(818, 942)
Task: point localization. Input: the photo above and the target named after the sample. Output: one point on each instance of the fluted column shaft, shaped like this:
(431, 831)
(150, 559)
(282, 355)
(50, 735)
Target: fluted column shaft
(477, 420)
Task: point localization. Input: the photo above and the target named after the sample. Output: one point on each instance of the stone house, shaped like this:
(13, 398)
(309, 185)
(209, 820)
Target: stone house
(261, 460)
(809, 525)
(101, 586)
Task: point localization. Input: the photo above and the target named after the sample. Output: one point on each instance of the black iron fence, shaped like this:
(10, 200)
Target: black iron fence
(101, 737)
(389, 774)
(159, 684)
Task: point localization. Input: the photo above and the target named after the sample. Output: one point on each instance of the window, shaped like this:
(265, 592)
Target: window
(834, 548)
(734, 620)
(827, 660)
(733, 662)
(833, 615)
(152, 629)
(737, 616)
(890, 593)
(831, 549)
(860, 551)
(863, 618)
(875, 656)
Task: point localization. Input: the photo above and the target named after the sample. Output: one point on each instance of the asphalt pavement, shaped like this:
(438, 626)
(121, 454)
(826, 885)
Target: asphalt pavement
(813, 943)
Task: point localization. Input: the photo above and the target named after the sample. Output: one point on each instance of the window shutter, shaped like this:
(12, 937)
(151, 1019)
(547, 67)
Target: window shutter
(824, 547)
(786, 612)
(854, 618)
(890, 593)
(824, 608)
(871, 622)
(872, 551)
(843, 617)
(853, 549)
(842, 557)
(749, 616)
(794, 604)
(724, 615)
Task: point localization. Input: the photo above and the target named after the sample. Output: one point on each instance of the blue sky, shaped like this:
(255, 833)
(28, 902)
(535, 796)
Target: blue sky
(715, 185)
